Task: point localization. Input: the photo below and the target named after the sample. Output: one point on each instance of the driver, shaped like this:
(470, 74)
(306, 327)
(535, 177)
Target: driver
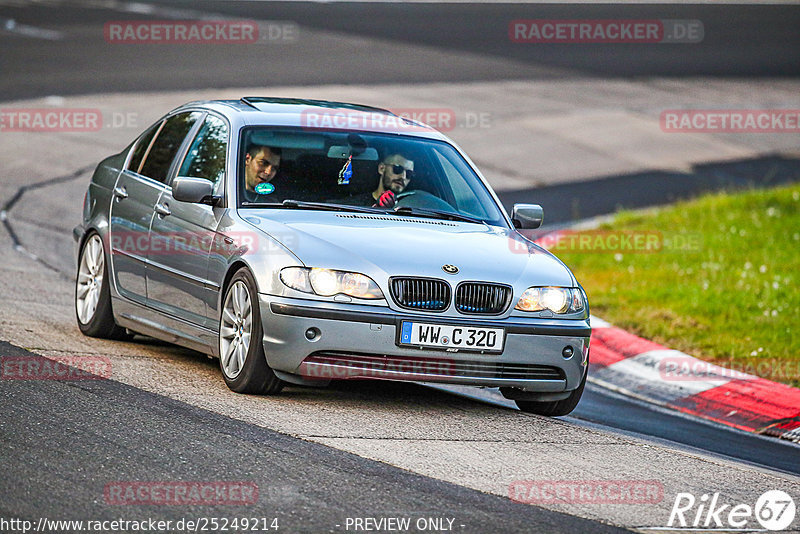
(260, 167)
(395, 172)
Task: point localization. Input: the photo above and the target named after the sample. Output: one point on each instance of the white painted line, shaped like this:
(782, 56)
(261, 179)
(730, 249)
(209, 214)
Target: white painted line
(597, 322)
(11, 26)
(136, 7)
(54, 100)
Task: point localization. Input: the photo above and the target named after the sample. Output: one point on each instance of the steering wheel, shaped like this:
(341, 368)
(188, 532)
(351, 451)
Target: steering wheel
(422, 199)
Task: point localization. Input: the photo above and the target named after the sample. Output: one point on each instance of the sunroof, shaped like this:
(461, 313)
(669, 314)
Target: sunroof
(254, 100)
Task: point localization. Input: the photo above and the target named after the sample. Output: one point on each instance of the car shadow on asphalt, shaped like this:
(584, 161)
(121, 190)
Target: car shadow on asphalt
(370, 392)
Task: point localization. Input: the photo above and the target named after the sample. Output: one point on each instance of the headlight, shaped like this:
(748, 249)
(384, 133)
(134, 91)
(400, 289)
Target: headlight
(555, 299)
(296, 278)
(326, 282)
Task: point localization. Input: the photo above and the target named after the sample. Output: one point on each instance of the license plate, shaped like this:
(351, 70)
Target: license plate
(451, 336)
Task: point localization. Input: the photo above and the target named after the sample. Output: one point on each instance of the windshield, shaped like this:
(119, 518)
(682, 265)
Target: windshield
(404, 175)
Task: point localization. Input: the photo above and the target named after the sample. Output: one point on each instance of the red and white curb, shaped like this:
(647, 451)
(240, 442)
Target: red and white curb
(636, 367)
(633, 366)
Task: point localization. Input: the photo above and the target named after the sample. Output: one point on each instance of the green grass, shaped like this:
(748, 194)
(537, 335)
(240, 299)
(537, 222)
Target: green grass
(729, 296)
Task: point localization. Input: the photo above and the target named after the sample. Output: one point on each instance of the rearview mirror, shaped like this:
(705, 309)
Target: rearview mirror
(194, 190)
(527, 216)
(358, 153)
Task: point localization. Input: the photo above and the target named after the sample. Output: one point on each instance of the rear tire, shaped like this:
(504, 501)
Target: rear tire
(92, 294)
(241, 347)
(554, 408)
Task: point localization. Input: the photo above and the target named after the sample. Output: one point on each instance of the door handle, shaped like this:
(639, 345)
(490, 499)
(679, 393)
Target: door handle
(162, 209)
(120, 192)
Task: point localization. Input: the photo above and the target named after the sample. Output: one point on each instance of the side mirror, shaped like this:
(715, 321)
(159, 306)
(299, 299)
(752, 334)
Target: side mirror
(193, 190)
(527, 216)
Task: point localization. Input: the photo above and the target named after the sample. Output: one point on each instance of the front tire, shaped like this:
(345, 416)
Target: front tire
(92, 294)
(554, 408)
(241, 348)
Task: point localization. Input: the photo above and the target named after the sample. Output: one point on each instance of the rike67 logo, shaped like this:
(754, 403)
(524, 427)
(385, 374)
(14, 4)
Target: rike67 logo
(774, 510)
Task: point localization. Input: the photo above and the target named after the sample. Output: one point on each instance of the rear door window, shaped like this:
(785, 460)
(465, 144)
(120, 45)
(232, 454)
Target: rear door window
(140, 150)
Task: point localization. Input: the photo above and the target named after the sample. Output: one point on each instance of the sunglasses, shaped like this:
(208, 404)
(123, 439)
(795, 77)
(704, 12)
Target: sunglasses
(399, 169)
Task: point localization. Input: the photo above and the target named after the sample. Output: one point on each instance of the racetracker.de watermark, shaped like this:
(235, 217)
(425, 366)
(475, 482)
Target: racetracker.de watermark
(64, 120)
(685, 368)
(198, 32)
(180, 493)
(397, 119)
(730, 121)
(199, 243)
(586, 491)
(321, 368)
(609, 241)
(50, 120)
(599, 31)
(58, 368)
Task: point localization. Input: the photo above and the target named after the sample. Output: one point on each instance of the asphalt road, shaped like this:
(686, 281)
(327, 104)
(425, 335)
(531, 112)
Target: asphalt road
(611, 410)
(94, 433)
(738, 39)
(418, 43)
(355, 450)
(601, 408)
(409, 43)
(105, 434)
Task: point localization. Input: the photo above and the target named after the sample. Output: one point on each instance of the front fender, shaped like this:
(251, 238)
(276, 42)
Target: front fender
(251, 248)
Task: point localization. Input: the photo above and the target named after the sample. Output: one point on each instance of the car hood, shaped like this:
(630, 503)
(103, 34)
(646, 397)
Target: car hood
(389, 245)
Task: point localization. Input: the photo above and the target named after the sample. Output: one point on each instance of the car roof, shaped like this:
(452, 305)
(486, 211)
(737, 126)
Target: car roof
(309, 113)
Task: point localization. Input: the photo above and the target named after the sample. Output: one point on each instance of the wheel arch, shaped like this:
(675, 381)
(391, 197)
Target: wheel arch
(233, 268)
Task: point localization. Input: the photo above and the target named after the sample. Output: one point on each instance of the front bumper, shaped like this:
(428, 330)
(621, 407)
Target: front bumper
(357, 341)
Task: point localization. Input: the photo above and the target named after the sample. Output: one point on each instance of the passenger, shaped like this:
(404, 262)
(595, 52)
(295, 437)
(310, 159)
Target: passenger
(395, 172)
(261, 164)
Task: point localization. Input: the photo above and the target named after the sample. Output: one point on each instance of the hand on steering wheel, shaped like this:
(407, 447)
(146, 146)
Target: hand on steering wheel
(386, 200)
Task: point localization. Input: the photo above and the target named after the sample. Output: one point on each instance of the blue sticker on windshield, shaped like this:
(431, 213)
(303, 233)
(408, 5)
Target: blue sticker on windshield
(347, 172)
(264, 188)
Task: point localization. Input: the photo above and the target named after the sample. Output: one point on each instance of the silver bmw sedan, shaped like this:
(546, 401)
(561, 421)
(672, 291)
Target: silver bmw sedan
(304, 241)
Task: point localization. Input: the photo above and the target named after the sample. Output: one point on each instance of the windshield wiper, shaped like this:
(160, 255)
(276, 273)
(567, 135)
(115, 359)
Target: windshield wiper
(436, 214)
(328, 207)
(248, 204)
(299, 204)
